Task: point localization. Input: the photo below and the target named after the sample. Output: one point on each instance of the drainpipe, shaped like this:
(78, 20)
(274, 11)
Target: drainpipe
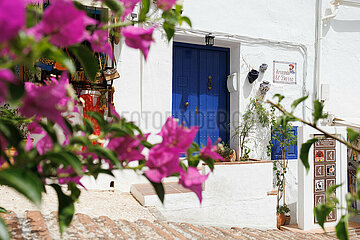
(318, 35)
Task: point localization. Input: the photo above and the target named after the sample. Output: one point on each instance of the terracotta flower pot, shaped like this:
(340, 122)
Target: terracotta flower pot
(231, 157)
(280, 219)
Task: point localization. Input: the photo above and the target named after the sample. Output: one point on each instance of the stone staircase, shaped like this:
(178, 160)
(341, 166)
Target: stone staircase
(34, 225)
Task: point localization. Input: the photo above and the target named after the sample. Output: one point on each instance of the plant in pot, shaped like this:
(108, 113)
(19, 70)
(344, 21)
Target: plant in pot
(255, 113)
(225, 151)
(282, 215)
(283, 134)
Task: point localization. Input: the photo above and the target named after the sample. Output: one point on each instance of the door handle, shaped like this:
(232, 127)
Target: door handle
(195, 109)
(186, 104)
(210, 83)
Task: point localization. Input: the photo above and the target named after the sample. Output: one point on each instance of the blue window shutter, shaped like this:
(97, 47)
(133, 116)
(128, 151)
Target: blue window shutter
(276, 150)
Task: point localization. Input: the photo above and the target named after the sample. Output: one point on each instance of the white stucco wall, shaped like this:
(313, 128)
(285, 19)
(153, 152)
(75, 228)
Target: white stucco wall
(260, 32)
(234, 195)
(340, 61)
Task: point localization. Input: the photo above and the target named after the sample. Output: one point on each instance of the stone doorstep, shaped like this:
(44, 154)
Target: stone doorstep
(353, 228)
(142, 191)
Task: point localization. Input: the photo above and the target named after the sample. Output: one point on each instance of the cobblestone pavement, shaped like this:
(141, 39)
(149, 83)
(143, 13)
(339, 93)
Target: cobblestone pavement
(35, 225)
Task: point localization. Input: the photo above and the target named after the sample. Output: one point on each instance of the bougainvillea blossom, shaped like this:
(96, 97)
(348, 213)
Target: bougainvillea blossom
(99, 42)
(12, 19)
(193, 180)
(127, 148)
(176, 136)
(43, 101)
(139, 38)
(209, 151)
(44, 144)
(165, 4)
(6, 76)
(128, 7)
(68, 175)
(64, 29)
(162, 162)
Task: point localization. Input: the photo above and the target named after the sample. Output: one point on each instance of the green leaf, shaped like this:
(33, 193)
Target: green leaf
(99, 118)
(298, 101)
(159, 189)
(318, 111)
(185, 19)
(79, 6)
(342, 227)
(87, 60)
(279, 96)
(65, 210)
(66, 158)
(115, 6)
(10, 132)
(331, 189)
(83, 141)
(304, 152)
(144, 10)
(321, 211)
(106, 154)
(169, 30)
(4, 235)
(353, 135)
(23, 181)
(75, 191)
(3, 210)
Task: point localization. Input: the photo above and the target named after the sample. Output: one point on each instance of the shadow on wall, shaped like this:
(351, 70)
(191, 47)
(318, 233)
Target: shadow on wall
(342, 26)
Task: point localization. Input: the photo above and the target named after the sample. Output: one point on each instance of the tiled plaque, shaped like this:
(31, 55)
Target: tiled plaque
(319, 171)
(324, 171)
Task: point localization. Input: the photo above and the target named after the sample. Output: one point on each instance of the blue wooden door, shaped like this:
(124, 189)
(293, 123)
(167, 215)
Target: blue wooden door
(276, 153)
(200, 97)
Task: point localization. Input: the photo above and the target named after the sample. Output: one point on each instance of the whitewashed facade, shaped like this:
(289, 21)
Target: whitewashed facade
(320, 36)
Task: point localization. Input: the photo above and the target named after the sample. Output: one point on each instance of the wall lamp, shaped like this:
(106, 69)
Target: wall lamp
(209, 39)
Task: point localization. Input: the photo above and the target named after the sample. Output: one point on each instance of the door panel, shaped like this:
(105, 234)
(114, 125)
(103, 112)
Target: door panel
(199, 78)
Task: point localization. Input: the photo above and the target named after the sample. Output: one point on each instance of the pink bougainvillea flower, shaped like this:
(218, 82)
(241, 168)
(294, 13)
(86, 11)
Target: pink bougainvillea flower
(138, 38)
(175, 136)
(34, 1)
(29, 144)
(12, 18)
(113, 111)
(209, 151)
(192, 180)
(63, 23)
(44, 144)
(43, 101)
(66, 175)
(162, 162)
(127, 148)
(6, 76)
(165, 4)
(128, 7)
(99, 42)
(35, 127)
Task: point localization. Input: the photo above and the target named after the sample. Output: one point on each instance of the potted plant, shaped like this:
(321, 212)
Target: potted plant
(283, 134)
(282, 215)
(226, 152)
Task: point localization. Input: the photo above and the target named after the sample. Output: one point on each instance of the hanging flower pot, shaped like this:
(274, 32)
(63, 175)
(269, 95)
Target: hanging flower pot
(253, 75)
